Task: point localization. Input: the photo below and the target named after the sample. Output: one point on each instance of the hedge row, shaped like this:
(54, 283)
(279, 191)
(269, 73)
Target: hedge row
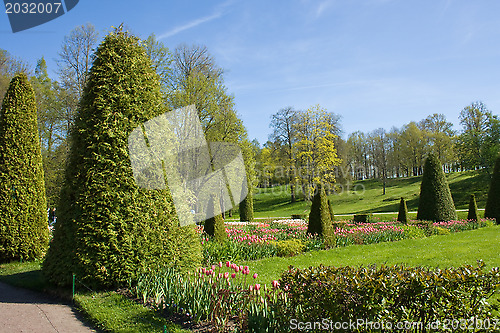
(387, 293)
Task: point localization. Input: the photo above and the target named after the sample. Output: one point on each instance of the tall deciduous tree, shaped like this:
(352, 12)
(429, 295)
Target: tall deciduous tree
(316, 153)
(283, 138)
(108, 230)
(196, 79)
(23, 221)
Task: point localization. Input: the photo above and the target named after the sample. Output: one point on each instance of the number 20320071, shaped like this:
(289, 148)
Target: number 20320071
(32, 8)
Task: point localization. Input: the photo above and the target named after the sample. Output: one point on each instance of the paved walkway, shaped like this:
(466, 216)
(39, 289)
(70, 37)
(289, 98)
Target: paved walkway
(22, 310)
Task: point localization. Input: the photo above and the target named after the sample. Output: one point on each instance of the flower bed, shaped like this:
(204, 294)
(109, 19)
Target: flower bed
(252, 241)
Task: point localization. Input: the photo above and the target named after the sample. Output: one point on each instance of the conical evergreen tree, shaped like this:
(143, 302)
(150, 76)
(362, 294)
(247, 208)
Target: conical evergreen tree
(320, 220)
(330, 209)
(436, 202)
(109, 230)
(473, 212)
(214, 226)
(403, 211)
(246, 206)
(23, 209)
(492, 209)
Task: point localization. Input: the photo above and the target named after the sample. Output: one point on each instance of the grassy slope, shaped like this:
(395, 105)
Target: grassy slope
(274, 202)
(444, 251)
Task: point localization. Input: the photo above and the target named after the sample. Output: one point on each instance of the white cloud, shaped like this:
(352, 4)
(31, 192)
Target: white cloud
(219, 11)
(189, 25)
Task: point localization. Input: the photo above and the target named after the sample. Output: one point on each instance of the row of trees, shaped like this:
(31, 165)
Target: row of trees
(299, 144)
(188, 75)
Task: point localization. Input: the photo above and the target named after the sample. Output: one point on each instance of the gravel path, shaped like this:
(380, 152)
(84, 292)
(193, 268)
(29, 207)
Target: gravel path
(22, 310)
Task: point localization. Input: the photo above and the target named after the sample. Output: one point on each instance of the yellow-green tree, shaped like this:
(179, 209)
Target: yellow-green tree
(315, 151)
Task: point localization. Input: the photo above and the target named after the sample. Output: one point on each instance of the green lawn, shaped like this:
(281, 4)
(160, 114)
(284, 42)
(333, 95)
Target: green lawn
(437, 251)
(368, 197)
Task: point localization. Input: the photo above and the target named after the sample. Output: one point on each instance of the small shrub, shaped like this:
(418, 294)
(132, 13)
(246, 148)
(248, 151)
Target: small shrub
(298, 217)
(289, 247)
(441, 231)
(363, 218)
(413, 232)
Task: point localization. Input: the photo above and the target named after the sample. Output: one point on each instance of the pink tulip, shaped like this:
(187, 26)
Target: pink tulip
(275, 284)
(226, 275)
(236, 269)
(214, 267)
(257, 286)
(255, 276)
(250, 288)
(228, 264)
(233, 275)
(220, 264)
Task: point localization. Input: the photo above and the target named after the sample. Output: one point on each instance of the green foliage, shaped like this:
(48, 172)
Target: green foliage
(114, 312)
(330, 209)
(108, 229)
(23, 219)
(246, 206)
(363, 218)
(435, 203)
(213, 251)
(215, 294)
(388, 293)
(289, 247)
(403, 211)
(413, 232)
(214, 226)
(473, 213)
(298, 216)
(493, 203)
(320, 221)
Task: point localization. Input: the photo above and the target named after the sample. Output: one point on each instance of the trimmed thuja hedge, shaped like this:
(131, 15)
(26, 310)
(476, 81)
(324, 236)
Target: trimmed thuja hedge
(109, 230)
(246, 206)
(387, 293)
(473, 212)
(320, 220)
(214, 226)
(492, 209)
(403, 211)
(23, 209)
(436, 202)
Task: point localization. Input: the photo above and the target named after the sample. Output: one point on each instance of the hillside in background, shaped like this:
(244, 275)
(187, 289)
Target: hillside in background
(275, 201)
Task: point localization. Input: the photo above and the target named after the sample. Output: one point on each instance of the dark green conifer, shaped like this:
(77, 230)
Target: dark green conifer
(492, 209)
(403, 211)
(473, 212)
(23, 209)
(109, 230)
(214, 226)
(246, 206)
(320, 220)
(436, 202)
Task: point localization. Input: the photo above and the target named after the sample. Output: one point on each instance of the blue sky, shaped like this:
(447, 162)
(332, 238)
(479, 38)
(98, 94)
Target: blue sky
(377, 63)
